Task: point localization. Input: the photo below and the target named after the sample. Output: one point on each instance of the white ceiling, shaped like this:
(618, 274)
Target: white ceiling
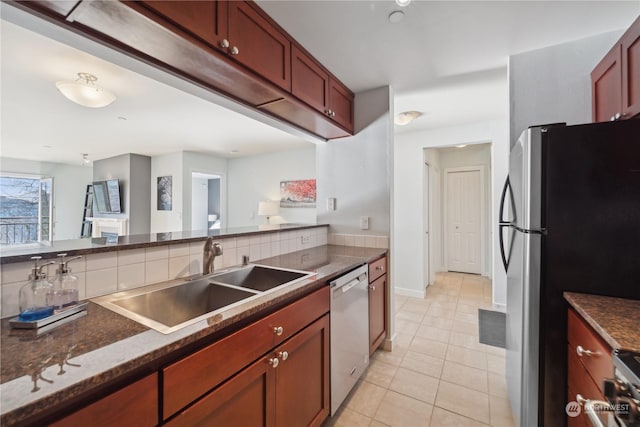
(447, 59)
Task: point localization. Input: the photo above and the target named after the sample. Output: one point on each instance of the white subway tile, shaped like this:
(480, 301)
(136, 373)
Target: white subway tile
(230, 243)
(218, 264)
(275, 248)
(102, 261)
(179, 250)
(322, 240)
(340, 241)
(359, 241)
(131, 256)
(156, 253)
(254, 253)
(331, 239)
(265, 250)
(156, 271)
(382, 242)
(10, 301)
(82, 285)
(229, 257)
(196, 248)
(179, 267)
(130, 276)
(254, 240)
(242, 242)
(349, 240)
(101, 282)
(370, 241)
(16, 272)
(265, 238)
(195, 264)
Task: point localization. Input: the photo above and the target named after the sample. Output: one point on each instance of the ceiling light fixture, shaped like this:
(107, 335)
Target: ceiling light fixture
(403, 3)
(461, 146)
(396, 16)
(406, 117)
(85, 92)
(85, 159)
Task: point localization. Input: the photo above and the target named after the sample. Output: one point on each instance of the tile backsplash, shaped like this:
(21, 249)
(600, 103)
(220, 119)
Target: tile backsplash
(108, 272)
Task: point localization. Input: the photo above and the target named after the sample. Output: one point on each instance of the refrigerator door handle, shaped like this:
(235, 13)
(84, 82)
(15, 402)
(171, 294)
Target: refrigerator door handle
(507, 186)
(505, 262)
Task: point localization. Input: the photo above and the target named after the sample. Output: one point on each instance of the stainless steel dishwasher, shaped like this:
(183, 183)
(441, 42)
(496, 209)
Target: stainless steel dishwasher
(349, 332)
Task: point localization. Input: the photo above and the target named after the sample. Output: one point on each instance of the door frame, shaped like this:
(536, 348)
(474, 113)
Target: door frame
(427, 224)
(479, 168)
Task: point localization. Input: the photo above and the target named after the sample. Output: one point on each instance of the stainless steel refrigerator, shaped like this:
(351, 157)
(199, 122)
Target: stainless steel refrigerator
(569, 221)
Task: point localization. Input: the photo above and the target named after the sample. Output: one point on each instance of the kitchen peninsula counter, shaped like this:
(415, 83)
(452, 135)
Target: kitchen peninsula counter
(137, 241)
(614, 319)
(42, 375)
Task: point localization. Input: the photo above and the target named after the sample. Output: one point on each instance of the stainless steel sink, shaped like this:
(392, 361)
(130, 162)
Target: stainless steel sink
(259, 278)
(170, 306)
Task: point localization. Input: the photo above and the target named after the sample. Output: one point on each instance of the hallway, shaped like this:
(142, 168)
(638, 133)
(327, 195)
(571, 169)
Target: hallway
(438, 373)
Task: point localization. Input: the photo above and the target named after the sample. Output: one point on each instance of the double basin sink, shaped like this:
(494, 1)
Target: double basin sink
(169, 307)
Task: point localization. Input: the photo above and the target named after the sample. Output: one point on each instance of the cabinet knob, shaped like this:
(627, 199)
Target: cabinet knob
(583, 352)
(278, 330)
(234, 51)
(379, 268)
(284, 355)
(224, 43)
(274, 362)
(372, 287)
(618, 116)
(333, 113)
(329, 112)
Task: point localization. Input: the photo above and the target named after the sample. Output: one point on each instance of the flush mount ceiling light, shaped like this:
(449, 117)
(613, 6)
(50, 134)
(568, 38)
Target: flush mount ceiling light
(403, 3)
(85, 92)
(406, 117)
(396, 16)
(461, 146)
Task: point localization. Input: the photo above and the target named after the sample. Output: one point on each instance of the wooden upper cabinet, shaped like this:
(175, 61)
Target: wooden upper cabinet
(207, 20)
(341, 104)
(256, 43)
(615, 81)
(630, 52)
(309, 81)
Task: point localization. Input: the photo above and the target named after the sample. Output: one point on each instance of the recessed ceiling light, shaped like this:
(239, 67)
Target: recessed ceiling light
(234, 151)
(406, 117)
(47, 146)
(403, 3)
(396, 16)
(122, 118)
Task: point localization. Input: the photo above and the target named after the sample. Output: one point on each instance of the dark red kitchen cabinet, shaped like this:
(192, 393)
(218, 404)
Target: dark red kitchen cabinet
(630, 52)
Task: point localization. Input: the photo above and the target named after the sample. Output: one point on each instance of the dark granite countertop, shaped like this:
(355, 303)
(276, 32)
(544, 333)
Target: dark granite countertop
(96, 245)
(615, 319)
(41, 374)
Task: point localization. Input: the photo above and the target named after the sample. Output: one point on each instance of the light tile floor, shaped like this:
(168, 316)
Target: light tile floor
(438, 374)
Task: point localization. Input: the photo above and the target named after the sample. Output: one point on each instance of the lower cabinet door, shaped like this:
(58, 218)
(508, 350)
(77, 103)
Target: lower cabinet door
(245, 400)
(377, 312)
(302, 377)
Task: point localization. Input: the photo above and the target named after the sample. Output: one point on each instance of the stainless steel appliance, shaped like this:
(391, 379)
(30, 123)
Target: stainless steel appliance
(349, 332)
(569, 221)
(623, 391)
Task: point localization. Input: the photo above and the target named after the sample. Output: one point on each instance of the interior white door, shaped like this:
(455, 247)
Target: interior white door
(463, 221)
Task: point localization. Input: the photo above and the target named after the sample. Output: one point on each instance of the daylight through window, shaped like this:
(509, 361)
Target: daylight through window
(25, 210)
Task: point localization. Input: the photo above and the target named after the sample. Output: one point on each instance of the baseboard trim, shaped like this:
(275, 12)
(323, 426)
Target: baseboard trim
(409, 292)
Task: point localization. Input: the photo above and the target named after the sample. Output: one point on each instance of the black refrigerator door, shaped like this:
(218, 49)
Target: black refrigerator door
(591, 211)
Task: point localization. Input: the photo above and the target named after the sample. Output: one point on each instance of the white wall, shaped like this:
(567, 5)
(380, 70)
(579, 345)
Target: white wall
(203, 163)
(357, 171)
(167, 165)
(69, 188)
(256, 178)
(472, 156)
(200, 203)
(553, 84)
(408, 194)
(434, 216)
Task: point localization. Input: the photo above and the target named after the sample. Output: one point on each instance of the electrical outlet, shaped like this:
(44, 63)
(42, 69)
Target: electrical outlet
(364, 223)
(305, 239)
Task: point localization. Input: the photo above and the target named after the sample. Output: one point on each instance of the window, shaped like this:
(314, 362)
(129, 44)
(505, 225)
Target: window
(26, 206)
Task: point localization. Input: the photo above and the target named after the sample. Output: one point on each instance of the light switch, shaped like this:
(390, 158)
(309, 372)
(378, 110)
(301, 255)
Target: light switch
(331, 204)
(364, 223)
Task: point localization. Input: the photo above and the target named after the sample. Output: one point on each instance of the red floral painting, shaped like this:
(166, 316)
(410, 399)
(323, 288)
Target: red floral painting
(298, 194)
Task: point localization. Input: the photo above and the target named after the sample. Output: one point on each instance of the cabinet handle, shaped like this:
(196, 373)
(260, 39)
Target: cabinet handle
(618, 116)
(333, 113)
(224, 43)
(380, 268)
(234, 51)
(284, 355)
(372, 287)
(274, 362)
(278, 330)
(582, 352)
(581, 400)
(329, 112)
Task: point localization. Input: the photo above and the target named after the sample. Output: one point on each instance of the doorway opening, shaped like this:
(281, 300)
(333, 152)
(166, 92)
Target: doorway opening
(206, 203)
(457, 210)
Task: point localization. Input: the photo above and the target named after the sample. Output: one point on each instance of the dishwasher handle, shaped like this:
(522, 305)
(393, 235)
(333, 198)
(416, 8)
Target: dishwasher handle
(353, 283)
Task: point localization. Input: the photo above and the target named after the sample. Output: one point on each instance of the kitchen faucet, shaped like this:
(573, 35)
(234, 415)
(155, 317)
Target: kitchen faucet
(211, 250)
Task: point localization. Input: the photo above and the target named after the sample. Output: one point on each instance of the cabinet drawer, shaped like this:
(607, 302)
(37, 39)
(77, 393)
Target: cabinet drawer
(580, 382)
(196, 374)
(599, 363)
(377, 268)
(133, 405)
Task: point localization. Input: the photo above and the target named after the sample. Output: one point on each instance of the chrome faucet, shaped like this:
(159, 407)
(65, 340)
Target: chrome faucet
(210, 252)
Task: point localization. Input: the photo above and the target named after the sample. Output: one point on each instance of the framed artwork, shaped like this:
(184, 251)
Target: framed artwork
(298, 194)
(165, 193)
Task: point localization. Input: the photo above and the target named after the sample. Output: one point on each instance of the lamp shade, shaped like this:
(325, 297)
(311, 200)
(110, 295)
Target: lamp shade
(268, 208)
(85, 92)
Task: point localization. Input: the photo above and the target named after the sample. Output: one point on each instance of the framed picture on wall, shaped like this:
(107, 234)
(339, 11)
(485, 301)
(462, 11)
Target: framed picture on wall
(165, 194)
(298, 194)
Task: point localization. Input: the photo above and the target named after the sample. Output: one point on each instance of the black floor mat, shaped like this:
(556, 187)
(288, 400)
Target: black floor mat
(492, 326)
